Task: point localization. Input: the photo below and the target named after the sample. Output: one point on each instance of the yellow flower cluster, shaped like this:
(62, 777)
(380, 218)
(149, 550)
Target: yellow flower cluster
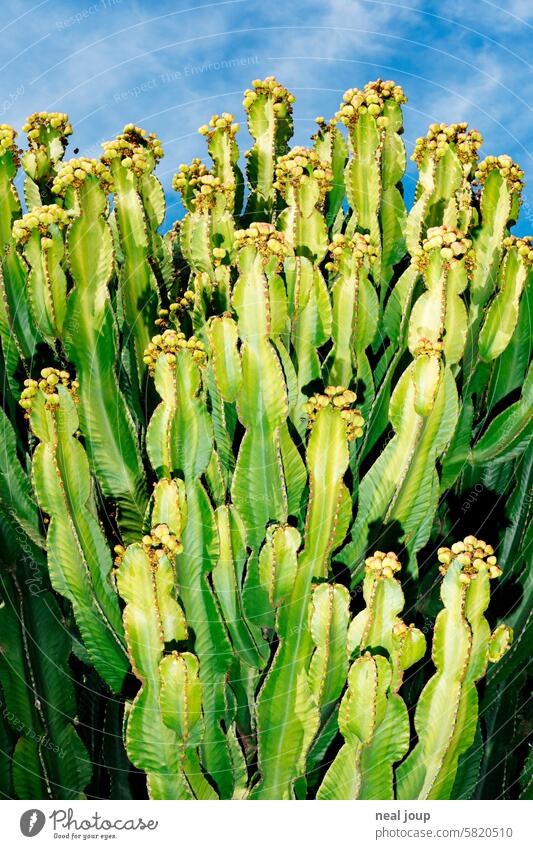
(523, 246)
(265, 238)
(131, 147)
(8, 143)
(431, 349)
(382, 565)
(163, 540)
(340, 399)
(51, 378)
(474, 555)
(224, 122)
(271, 88)
(48, 121)
(189, 175)
(507, 168)
(452, 243)
(359, 246)
(370, 100)
(181, 305)
(302, 161)
(40, 218)
(206, 187)
(75, 171)
(440, 136)
(169, 344)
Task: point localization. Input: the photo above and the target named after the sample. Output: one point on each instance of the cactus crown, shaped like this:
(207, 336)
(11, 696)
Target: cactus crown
(264, 237)
(508, 169)
(271, 88)
(473, 554)
(135, 148)
(170, 343)
(74, 172)
(523, 245)
(323, 126)
(41, 125)
(358, 247)
(340, 399)
(452, 243)
(40, 218)
(426, 347)
(220, 123)
(51, 378)
(302, 162)
(382, 565)
(8, 144)
(440, 136)
(176, 308)
(162, 541)
(370, 100)
(189, 176)
(197, 185)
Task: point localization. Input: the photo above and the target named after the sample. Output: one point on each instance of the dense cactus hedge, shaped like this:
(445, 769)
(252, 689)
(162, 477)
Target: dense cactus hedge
(236, 455)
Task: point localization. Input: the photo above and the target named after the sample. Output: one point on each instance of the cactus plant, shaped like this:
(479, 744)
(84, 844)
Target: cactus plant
(212, 435)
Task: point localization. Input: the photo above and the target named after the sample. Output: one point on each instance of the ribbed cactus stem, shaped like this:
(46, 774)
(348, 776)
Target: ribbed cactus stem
(224, 151)
(502, 314)
(130, 157)
(79, 560)
(374, 120)
(447, 711)
(354, 306)
(17, 327)
(375, 727)
(41, 235)
(501, 186)
(48, 134)
(153, 617)
(91, 343)
(331, 148)
(269, 110)
(446, 160)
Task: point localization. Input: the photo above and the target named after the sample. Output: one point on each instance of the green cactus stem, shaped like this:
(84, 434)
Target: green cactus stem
(446, 159)
(269, 111)
(48, 134)
(17, 328)
(447, 710)
(40, 234)
(131, 158)
(79, 560)
(373, 175)
(91, 343)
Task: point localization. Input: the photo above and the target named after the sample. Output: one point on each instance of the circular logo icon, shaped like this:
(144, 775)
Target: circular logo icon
(32, 822)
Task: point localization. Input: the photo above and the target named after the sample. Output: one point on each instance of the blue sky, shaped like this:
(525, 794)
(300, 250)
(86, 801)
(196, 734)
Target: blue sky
(169, 65)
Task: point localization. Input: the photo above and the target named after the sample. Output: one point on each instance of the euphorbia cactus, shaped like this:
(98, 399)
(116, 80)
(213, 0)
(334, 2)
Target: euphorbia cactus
(273, 409)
